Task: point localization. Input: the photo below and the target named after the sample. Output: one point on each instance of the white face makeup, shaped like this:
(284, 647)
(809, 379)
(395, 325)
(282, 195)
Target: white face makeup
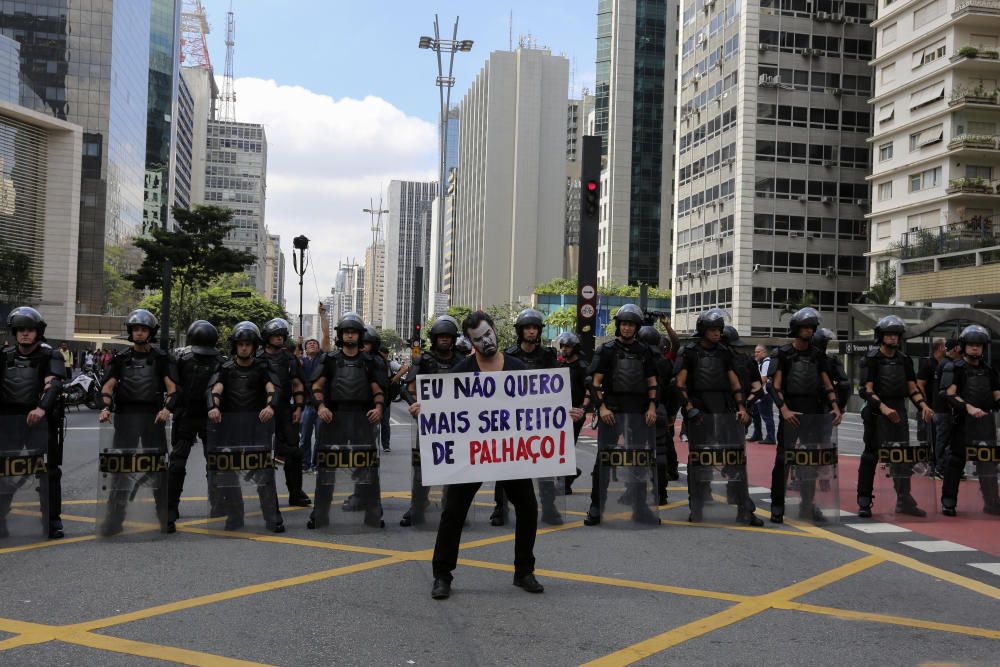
(484, 339)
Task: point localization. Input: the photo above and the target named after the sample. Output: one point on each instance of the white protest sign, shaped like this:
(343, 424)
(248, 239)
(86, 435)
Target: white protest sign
(484, 427)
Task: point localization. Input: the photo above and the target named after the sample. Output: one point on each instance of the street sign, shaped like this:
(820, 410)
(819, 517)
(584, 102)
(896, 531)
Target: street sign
(588, 292)
(586, 310)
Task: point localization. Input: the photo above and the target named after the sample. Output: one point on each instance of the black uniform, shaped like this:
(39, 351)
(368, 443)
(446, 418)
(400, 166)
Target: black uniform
(890, 377)
(22, 389)
(139, 390)
(429, 363)
(244, 393)
(709, 391)
(521, 493)
(192, 372)
(841, 383)
(539, 358)
(626, 369)
(666, 452)
(803, 391)
(348, 394)
(286, 369)
(974, 385)
(579, 383)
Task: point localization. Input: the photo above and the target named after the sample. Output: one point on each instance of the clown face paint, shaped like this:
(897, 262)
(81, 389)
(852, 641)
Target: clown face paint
(484, 339)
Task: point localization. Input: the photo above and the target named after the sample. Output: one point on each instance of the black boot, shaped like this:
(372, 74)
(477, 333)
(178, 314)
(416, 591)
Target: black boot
(865, 507)
(908, 505)
(593, 517)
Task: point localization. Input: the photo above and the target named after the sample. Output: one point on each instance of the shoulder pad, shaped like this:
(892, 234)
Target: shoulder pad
(229, 363)
(157, 352)
(52, 352)
(511, 350)
(690, 345)
(45, 346)
(787, 347)
(958, 363)
(871, 354)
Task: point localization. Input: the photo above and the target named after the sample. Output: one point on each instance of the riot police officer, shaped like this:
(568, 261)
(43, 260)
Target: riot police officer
(707, 383)
(372, 345)
(834, 367)
(529, 349)
(973, 389)
(624, 382)
(194, 366)
(441, 358)
(887, 379)
(31, 377)
(290, 401)
(800, 385)
(347, 393)
(579, 382)
(666, 453)
(246, 386)
(135, 384)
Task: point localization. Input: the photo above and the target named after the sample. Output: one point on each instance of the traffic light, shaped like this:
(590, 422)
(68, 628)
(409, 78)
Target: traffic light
(416, 332)
(591, 196)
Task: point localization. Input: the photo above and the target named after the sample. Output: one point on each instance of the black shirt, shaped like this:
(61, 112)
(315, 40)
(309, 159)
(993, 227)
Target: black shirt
(929, 372)
(470, 365)
(605, 361)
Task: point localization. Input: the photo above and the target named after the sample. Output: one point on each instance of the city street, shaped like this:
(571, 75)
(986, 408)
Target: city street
(913, 592)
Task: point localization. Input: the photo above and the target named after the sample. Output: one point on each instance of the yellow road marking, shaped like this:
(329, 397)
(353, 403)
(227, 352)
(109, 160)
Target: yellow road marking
(155, 651)
(726, 526)
(734, 614)
(46, 543)
(232, 594)
(279, 539)
(852, 615)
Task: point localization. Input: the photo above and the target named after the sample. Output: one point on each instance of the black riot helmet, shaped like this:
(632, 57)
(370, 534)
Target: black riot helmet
(628, 313)
(712, 318)
(26, 317)
(371, 336)
(730, 336)
(528, 317)
(890, 324)
(974, 334)
(203, 337)
(275, 327)
(244, 331)
(803, 318)
(463, 346)
(350, 320)
(568, 339)
(142, 318)
(651, 337)
(445, 325)
(822, 338)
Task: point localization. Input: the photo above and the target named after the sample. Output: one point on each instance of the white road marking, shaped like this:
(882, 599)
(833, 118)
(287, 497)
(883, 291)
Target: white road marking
(937, 546)
(871, 528)
(992, 568)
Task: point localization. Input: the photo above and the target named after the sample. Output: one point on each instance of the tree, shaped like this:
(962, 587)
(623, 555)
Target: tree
(458, 312)
(16, 281)
(883, 291)
(503, 315)
(120, 295)
(567, 286)
(791, 307)
(391, 339)
(196, 254)
(562, 318)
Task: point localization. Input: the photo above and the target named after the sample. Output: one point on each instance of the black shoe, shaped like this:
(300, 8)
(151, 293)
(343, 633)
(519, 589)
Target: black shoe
(168, 527)
(673, 474)
(812, 513)
(108, 529)
(529, 583)
(234, 524)
(4, 532)
(992, 510)
(643, 514)
(749, 518)
(386, 450)
(695, 515)
(498, 518)
(552, 517)
(406, 521)
(865, 512)
(441, 589)
(593, 517)
(661, 497)
(949, 511)
(777, 514)
(276, 527)
(374, 520)
(299, 500)
(56, 530)
(907, 505)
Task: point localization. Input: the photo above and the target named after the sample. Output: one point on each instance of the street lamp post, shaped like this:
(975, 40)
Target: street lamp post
(301, 243)
(444, 84)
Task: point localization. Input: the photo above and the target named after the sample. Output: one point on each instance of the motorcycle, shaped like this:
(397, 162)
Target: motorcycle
(84, 389)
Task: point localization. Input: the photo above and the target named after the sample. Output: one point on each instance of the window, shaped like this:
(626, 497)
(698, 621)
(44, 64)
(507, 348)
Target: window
(928, 95)
(886, 112)
(885, 191)
(931, 135)
(925, 180)
(928, 54)
(885, 152)
(889, 73)
(888, 34)
(982, 127)
(924, 220)
(928, 13)
(978, 171)
(983, 41)
(883, 229)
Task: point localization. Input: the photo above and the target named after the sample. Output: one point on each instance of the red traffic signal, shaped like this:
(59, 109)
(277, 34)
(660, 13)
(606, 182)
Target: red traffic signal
(591, 197)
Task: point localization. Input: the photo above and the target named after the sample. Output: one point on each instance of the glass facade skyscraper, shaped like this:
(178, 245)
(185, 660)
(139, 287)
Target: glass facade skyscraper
(82, 62)
(161, 130)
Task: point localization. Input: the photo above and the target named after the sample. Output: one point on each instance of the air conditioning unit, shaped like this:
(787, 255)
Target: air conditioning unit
(702, 39)
(756, 268)
(863, 202)
(839, 18)
(831, 272)
(764, 47)
(828, 163)
(825, 200)
(822, 16)
(730, 161)
(836, 92)
(803, 198)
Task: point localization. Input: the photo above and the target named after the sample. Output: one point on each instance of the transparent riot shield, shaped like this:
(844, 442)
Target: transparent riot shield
(23, 480)
(903, 483)
(132, 477)
(717, 469)
(982, 449)
(812, 485)
(426, 502)
(348, 494)
(240, 465)
(627, 490)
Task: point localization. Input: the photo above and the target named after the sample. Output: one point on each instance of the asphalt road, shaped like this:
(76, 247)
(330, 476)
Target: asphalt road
(678, 594)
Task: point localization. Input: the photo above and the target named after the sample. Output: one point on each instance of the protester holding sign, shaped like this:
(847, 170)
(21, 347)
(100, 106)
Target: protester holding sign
(478, 326)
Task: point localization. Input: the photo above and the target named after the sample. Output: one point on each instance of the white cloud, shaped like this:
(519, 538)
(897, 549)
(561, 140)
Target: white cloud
(326, 159)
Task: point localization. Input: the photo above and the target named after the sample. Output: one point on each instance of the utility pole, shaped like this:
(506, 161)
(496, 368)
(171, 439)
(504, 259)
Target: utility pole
(590, 205)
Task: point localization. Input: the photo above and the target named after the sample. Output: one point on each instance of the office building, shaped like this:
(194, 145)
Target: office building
(576, 126)
(161, 130)
(374, 289)
(407, 246)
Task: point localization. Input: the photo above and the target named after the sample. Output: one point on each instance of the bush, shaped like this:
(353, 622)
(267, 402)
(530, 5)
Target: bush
(968, 52)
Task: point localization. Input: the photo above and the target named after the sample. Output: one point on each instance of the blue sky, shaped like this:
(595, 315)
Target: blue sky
(355, 49)
(348, 101)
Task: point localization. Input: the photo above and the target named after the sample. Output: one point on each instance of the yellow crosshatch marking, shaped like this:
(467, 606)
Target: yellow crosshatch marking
(742, 607)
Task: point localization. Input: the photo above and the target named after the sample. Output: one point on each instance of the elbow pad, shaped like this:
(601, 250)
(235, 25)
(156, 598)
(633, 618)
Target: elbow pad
(51, 395)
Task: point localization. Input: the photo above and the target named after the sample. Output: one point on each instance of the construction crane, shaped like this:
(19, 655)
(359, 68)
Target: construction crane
(194, 30)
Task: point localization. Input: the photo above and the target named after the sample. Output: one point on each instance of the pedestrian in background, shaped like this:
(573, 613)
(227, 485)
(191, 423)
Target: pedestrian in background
(764, 412)
(307, 429)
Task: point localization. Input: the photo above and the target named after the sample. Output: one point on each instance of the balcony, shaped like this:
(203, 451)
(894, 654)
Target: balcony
(973, 186)
(962, 95)
(976, 9)
(958, 263)
(973, 58)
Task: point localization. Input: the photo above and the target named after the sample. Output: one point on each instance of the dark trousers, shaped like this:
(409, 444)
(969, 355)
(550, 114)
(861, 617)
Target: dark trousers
(54, 464)
(957, 457)
(123, 487)
(286, 445)
(779, 474)
(349, 427)
(636, 489)
(182, 437)
(384, 429)
(521, 493)
(230, 496)
(943, 427)
(762, 412)
(869, 458)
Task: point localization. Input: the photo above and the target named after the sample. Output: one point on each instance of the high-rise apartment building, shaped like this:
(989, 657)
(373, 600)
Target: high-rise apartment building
(374, 290)
(772, 160)
(635, 116)
(936, 150)
(274, 270)
(181, 173)
(90, 66)
(407, 246)
(439, 271)
(161, 129)
(576, 127)
(510, 209)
